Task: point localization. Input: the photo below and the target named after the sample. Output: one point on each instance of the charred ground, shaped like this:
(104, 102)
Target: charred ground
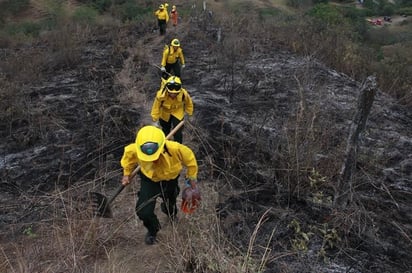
(269, 131)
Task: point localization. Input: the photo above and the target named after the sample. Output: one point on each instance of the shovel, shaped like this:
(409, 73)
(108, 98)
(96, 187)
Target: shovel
(100, 203)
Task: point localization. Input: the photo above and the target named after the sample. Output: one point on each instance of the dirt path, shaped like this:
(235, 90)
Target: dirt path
(129, 252)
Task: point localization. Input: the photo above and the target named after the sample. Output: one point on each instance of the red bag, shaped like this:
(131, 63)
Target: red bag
(190, 200)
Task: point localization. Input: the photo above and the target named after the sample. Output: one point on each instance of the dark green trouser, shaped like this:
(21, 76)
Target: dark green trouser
(146, 202)
(172, 123)
(175, 67)
(162, 26)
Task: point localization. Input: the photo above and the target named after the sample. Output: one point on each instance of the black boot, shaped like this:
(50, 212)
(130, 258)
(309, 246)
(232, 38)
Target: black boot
(150, 239)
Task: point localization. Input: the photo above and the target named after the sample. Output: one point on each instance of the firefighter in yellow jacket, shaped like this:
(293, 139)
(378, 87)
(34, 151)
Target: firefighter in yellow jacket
(172, 59)
(162, 16)
(170, 105)
(161, 162)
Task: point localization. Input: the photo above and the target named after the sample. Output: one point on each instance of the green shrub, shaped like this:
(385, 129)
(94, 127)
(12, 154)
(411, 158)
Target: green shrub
(405, 11)
(268, 12)
(13, 7)
(27, 28)
(344, 1)
(102, 5)
(373, 6)
(85, 15)
(380, 7)
(299, 4)
(368, 12)
(320, 1)
(130, 11)
(327, 14)
(405, 3)
(48, 23)
(388, 9)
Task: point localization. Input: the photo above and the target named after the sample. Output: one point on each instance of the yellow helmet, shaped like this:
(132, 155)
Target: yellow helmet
(161, 6)
(173, 7)
(150, 141)
(173, 84)
(175, 42)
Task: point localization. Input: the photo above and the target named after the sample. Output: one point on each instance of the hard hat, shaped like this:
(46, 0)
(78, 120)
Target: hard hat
(173, 84)
(175, 42)
(191, 199)
(150, 141)
(161, 6)
(173, 7)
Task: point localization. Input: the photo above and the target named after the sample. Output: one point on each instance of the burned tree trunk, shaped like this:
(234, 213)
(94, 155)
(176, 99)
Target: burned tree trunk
(343, 191)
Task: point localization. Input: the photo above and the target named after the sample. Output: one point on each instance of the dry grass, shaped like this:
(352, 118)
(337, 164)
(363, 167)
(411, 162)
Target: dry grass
(71, 241)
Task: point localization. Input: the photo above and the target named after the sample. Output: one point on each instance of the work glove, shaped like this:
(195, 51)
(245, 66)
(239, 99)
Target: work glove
(188, 117)
(125, 180)
(190, 183)
(156, 123)
(163, 69)
(183, 66)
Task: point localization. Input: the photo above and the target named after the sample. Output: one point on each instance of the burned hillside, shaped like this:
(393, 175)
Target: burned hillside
(269, 129)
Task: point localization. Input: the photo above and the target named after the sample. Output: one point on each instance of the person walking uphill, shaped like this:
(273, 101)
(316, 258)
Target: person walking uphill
(162, 16)
(172, 58)
(169, 106)
(174, 15)
(161, 162)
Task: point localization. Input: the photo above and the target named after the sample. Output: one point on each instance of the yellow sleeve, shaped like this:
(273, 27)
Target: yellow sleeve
(164, 56)
(189, 160)
(129, 159)
(157, 103)
(188, 103)
(181, 57)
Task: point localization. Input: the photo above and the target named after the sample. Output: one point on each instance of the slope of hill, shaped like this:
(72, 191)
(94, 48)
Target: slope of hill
(269, 132)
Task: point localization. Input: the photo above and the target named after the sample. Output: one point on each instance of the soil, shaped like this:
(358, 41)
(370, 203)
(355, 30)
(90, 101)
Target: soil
(269, 134)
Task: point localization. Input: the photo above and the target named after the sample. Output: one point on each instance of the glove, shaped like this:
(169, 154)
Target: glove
(163, 69)
(183, 66)
(188, 117)
(189, 182)
(156, 123)
(125, 180)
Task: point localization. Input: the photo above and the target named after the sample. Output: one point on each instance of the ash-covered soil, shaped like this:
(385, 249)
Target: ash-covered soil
(271, 129)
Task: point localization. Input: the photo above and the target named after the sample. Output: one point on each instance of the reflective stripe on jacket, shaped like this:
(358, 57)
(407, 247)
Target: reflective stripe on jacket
(167, 167)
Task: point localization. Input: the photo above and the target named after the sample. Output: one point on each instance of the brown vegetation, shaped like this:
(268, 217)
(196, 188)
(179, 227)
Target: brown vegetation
(269, 130)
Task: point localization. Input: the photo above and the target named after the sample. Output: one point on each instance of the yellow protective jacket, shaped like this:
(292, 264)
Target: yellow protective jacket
(164, 106)
(167, 167)
(162, 14)
(170, 55)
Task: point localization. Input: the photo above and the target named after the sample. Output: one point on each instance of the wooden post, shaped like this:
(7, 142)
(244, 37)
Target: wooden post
(343, 191)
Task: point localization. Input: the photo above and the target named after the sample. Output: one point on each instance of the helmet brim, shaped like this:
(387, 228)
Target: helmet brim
(149, 158)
